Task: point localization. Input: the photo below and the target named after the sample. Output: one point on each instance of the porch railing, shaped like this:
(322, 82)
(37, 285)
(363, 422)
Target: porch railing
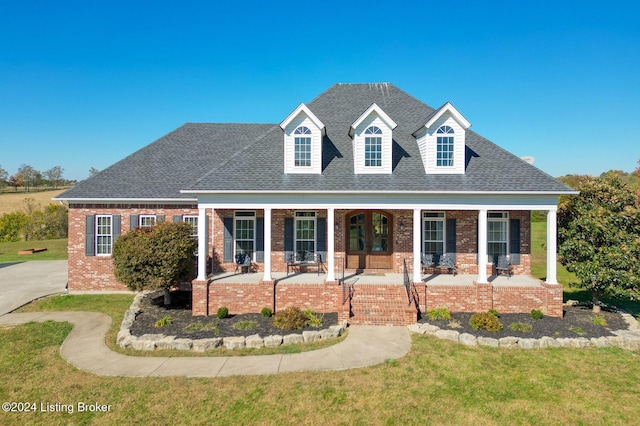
(407, 280)
(347, 289)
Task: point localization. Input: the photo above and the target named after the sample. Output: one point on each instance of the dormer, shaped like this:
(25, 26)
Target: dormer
(442, 141)
(372, 135)
(303, 133)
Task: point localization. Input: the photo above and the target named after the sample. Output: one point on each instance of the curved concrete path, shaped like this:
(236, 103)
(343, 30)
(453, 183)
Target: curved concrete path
(85, 348)
(20, 283)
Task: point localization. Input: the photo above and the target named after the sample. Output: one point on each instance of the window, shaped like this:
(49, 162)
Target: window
(245, 231)
(302, 147)
(147, 220)
(193, 221)
(305, 232)
(373, 147)
(104, 235)
(444, 147)
(433, 227)
(497, 235)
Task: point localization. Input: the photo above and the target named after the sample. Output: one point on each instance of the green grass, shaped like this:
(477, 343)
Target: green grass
(56, 250)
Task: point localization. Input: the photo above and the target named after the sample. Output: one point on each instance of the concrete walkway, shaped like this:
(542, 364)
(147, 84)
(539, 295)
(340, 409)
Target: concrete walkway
(20, 283)
(85, 348)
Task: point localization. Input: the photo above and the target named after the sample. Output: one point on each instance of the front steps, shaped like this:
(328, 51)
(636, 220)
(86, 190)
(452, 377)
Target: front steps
(381, 304)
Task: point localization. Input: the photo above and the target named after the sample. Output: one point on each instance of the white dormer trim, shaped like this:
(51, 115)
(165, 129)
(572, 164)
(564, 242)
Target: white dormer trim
(427, 138)
(300, 118)
(373, 108)
(378, 140)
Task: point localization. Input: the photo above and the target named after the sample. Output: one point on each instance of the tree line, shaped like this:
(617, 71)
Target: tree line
(35, 223)
(28, 178)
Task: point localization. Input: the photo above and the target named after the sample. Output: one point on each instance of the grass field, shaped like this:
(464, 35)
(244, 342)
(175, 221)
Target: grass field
(14, 201)
(56, 250)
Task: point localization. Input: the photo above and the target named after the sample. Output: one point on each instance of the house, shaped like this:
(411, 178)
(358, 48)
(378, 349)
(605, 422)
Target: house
(364, 176)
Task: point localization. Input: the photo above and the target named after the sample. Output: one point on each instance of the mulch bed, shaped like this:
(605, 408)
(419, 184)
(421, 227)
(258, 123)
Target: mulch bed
(205, 327)
(577, 322)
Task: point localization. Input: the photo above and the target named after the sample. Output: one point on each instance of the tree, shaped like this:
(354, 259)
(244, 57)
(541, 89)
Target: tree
(599, 237)
(12, 226)
(29, 175)
(93, 171)
(16, 181)
(157, 257)
(54, 176)
(3, 177)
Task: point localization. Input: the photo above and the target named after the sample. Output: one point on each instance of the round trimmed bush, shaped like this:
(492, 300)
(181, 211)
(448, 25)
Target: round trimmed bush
(485, 321)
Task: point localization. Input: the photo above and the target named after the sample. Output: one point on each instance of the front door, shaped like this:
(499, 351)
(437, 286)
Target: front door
(369, 240)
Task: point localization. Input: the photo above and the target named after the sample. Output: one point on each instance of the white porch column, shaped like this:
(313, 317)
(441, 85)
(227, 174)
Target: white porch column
(417, 246)
(552, 243)
(267, 244)
(331, 276)
(202, 243)
(482, 246)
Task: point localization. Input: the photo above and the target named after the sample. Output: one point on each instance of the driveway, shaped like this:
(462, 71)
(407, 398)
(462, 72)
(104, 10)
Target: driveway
(21, 283)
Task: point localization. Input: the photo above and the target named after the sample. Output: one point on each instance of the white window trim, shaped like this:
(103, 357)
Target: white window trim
(98, 235)
(251, 218)
(373, 135)
(503, 218)
(449, 135)
(313, 218)
(299, 135)
(442, 219)
(147, 216)
(187, 219)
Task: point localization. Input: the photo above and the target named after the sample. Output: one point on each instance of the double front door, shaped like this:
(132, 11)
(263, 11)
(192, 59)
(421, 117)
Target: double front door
(369, 240)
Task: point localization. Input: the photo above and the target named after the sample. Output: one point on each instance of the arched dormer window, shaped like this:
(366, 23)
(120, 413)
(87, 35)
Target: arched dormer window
(373, 147)
(444, 146)
(302, 147)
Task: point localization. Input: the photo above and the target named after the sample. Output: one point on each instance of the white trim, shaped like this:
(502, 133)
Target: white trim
(296, 219)
(239, 191)
(448, 107)
(504, 218)
(147, 216)
(443, 220)
(417, 250)
(235, 239)
(267, 244)
(552, 245)
(96, 235)
(303, 108)
(128, 200)
(202, 244)
(373, 108)
(482, 246)
(331, 261)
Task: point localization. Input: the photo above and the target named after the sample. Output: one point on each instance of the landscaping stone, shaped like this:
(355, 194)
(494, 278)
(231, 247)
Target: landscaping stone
(331, 332)
(271, 341)
(528, 343)
(508, 342)
(124, 332)
(293, 338)
(254, 341)
(165, 343)
(468, 339)
(310, 336)
(182, 344)
(448, 334)
(488, 341)
(549, 342)
(234, 342)
(141, 344)
(203, 345)
(580, 342)
(564, 342)
(599, 342)
(417, 328)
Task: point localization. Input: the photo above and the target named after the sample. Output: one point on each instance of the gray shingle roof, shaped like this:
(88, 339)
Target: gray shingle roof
(242, 157)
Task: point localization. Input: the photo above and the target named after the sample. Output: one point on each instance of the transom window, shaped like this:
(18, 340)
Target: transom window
(497, 235)
(305, 233)
(433, 226)
(444, 147)
(104, 234)
(146, 220)
(302, 147)
(373, 147)
(245, 232)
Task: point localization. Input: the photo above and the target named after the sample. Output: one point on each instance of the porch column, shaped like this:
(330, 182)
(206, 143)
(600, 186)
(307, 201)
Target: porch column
(267, 244)
(331, 276)
(552, 242)
(202, 243)
(417, 276)
(482, 246)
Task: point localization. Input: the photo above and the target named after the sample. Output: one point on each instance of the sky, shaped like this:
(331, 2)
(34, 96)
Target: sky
(85, 83)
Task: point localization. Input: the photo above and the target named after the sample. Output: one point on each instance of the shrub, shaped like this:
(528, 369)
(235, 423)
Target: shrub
(485, 321)
(165, 320)
(245, 325)
(599, 320)
(520, 326)
(223, 312)
(441, 313)
(314, 320)
(290, 319)
(454, 323)
(494, 313)
(266, 312)
(197, 326)
(536, 314)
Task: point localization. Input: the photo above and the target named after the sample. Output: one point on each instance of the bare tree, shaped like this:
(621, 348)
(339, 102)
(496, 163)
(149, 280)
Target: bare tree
(54, 176)
(3, 178)
(93, 171)
(29, 175)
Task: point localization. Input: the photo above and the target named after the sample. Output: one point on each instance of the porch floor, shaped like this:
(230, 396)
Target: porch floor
(376, 278)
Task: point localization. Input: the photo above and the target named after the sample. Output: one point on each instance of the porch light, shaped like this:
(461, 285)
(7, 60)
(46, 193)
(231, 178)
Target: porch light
(401, 225)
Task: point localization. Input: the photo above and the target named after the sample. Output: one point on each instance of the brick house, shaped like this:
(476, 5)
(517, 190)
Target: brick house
(364, 176)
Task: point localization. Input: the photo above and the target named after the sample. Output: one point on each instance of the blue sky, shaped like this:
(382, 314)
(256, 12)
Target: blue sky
(85, 83)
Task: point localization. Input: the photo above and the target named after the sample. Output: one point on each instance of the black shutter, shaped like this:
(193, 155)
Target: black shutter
(514, 241)
(227, 255)
(133, 221)
(259, 239)
(90, 236)
(451, 237)
(321, 238)
(288, 237)
(177, 218)
(117, 226)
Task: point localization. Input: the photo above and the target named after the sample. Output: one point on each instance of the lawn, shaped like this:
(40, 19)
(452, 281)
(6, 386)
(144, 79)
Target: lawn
(56, 250)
